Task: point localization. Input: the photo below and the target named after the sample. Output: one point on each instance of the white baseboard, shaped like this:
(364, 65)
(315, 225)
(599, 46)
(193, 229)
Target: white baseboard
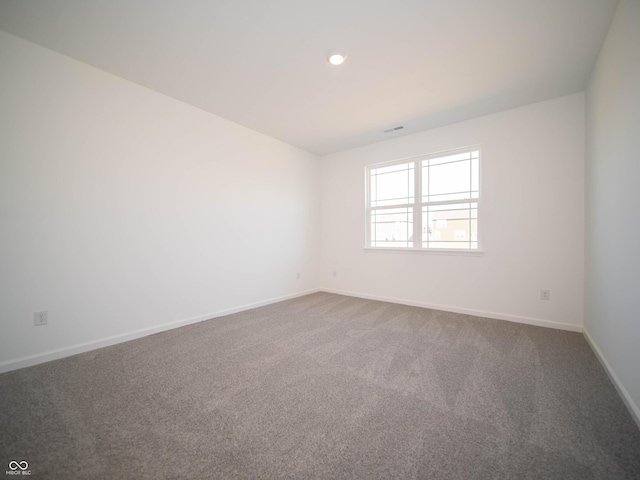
(477, 313)
(31, 360)
(626, 397)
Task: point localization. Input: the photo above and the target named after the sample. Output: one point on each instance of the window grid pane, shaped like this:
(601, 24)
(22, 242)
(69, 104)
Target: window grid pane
(451, 177)
(450, 226)
(393, 185)
(392, 227)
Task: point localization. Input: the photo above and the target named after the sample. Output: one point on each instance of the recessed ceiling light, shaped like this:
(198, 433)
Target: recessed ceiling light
(336, 58)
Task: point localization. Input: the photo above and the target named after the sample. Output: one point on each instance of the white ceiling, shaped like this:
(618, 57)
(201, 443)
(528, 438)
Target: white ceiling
(262, 63)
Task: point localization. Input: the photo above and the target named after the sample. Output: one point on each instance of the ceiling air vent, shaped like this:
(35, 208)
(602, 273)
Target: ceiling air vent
(393, 129)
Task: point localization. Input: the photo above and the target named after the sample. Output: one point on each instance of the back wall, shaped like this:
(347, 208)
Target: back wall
(532, 220)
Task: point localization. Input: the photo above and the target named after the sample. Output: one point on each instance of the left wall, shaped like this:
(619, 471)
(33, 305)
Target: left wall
(124, 212)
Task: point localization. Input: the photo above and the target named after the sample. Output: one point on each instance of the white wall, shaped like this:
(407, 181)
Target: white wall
(122, 210)
(612, 309)
(532, 220)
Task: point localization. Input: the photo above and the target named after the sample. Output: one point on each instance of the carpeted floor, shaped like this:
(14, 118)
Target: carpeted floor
(324, 387)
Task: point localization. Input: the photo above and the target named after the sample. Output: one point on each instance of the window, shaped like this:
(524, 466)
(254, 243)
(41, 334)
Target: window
(428, 203)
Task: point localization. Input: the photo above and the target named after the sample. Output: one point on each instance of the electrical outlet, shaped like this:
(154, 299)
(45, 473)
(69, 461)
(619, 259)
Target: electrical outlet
(40, 318)
(545, 295)
(335, 273)
(298, 276)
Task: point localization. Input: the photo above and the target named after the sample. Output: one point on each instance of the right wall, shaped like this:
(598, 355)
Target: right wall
(612, 281)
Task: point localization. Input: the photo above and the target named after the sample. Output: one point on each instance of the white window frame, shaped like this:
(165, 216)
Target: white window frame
(418, 205)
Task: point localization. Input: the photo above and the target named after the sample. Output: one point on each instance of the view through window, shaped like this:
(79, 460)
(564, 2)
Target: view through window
(427, 202)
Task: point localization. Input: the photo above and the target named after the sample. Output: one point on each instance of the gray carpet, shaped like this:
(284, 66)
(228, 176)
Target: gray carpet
(324, 387)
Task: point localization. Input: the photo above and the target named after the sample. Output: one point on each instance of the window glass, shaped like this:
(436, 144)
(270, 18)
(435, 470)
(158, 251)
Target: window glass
(392, 185)
(447, 203)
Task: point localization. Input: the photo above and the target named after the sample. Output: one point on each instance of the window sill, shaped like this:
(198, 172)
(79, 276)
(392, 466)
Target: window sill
(433, 251)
